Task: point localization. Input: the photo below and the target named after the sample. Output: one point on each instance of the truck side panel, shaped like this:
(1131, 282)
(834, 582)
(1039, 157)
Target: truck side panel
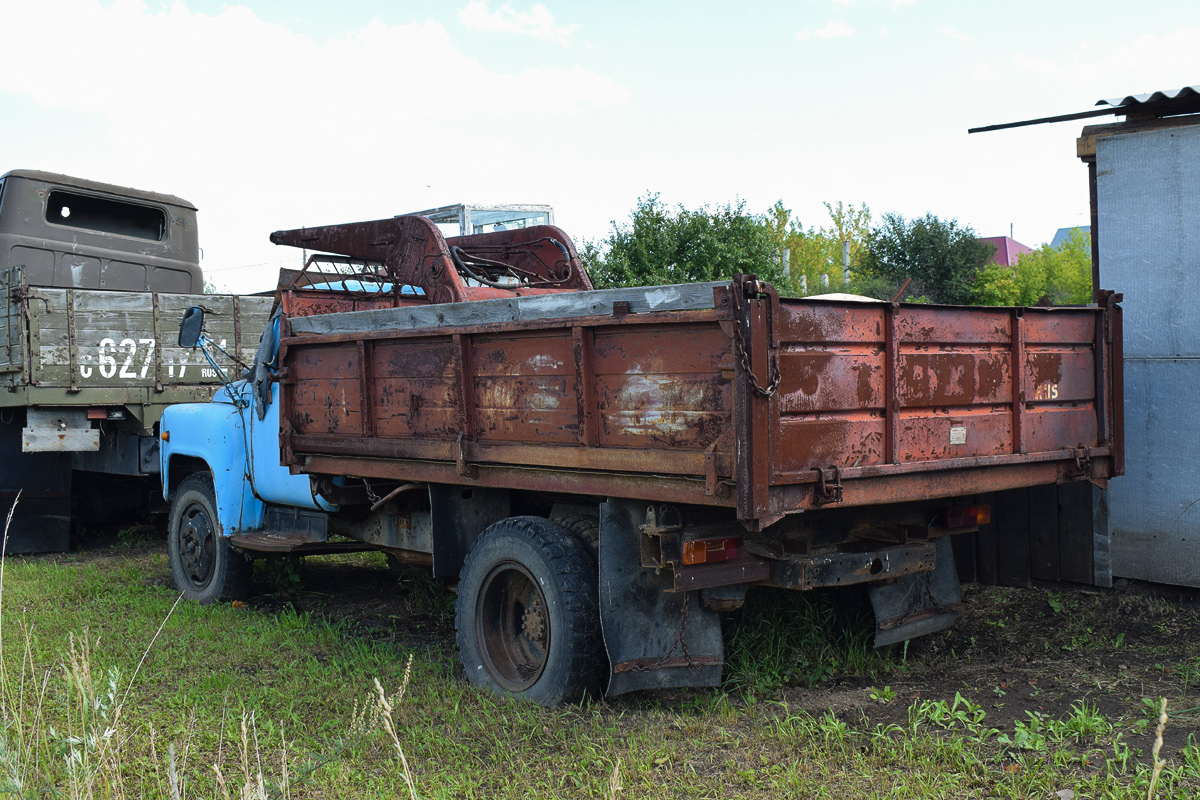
(906, 402)
(949, 374)
(78, 339)
(650, 390)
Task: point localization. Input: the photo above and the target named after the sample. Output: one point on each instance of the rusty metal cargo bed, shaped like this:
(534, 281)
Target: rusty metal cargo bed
(717, 394)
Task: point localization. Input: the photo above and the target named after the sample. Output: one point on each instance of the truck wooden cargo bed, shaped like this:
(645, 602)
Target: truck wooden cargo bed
(718, 394)
(93, 347)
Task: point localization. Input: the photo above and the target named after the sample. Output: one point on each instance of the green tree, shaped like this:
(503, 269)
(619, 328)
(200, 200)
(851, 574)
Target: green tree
(1063, 275)
(660, 245)
(940, 256)
(814, 252)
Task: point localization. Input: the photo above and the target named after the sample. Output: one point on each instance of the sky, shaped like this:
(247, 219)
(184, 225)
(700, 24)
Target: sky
(277, 114)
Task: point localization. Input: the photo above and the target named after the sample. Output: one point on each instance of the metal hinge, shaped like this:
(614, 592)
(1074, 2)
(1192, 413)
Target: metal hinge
(826, 492)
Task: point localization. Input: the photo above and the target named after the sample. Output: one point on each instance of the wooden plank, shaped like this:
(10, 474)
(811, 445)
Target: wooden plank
(987, 540)
(117, 338)
(566, 305)
(1043, 533)
(13, 319)
(1075, 532)
(965, 556)
(1012, 512)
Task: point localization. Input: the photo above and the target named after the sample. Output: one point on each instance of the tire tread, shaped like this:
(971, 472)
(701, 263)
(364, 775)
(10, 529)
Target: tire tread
(567, 557)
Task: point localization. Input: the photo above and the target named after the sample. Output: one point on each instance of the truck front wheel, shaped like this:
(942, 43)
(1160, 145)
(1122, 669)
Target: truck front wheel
(527, 614)
(203, 564)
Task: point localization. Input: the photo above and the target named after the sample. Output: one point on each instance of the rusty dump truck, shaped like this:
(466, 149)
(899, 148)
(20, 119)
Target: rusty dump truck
(601, 473)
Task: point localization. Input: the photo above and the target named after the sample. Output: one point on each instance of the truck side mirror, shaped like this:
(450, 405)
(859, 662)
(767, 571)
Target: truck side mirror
(190, 327)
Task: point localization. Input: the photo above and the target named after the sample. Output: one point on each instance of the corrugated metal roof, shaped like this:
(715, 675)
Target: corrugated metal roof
(1156, 104)
(1153, 97)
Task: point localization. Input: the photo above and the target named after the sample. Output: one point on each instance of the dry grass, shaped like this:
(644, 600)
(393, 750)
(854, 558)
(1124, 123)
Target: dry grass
(68, 730)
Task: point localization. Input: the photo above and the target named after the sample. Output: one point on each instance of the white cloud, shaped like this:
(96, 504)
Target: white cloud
(896, 4)
(834, 29)
(537, 21)
(1145, 63)
(956, 35)
(263, 128)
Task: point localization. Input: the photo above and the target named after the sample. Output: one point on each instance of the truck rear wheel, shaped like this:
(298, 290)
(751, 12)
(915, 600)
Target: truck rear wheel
(204, 566)
(527, 614)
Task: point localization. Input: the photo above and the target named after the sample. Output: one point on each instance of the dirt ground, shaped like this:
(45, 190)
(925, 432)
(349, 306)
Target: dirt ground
(1046, 650)
(1043, 649)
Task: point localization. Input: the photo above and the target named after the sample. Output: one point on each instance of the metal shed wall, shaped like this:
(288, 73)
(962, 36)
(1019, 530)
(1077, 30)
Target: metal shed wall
(1148, 214)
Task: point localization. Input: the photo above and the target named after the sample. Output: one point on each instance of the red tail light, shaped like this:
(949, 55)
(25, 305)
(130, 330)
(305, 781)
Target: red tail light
(709, 551)
(968, 516)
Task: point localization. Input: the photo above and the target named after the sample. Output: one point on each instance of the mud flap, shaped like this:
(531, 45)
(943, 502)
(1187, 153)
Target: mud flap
(643, 622)
(917, 604)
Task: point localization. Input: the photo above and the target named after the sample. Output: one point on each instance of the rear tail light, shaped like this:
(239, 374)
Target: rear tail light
(968, 516)
(710, 551)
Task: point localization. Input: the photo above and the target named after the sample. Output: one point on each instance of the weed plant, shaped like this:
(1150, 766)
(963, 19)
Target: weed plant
(783, 639)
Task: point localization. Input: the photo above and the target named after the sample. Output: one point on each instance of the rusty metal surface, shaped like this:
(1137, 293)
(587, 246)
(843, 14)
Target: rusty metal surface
(707, 576)
(414, 253)
(905, 401)
(267, 542)
(691, 662)
(847, 569)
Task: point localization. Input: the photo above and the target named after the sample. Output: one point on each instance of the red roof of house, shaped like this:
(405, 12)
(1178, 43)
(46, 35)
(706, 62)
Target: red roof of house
(1007, 249)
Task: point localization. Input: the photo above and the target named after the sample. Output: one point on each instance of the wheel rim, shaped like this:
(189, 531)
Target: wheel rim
(197, 545)
(513, 626)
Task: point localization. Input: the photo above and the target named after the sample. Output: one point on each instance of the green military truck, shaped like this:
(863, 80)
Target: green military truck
(95, 278)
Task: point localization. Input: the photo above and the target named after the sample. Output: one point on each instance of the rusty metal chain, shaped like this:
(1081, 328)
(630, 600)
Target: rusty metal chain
(739, 338)
(374, 498)
(680, 644)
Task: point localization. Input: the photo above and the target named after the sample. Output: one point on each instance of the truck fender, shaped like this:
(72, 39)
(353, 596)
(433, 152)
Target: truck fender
(458, 514)
(655, 638)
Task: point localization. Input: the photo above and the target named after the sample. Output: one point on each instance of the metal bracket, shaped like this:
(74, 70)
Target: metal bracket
(661, 536)
(158, 344)
(1083, 461)
(824, 492)
(460, 457)
(711, 480)
(72, 347)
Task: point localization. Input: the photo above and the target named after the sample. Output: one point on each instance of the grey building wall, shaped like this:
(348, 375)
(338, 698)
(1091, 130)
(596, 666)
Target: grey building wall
(1148, 206)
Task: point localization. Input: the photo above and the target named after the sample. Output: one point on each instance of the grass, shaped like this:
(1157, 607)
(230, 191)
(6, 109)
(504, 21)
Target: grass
(108, 689)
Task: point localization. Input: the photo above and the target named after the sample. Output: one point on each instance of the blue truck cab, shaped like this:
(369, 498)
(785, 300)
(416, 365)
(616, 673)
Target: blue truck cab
(221, 473)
